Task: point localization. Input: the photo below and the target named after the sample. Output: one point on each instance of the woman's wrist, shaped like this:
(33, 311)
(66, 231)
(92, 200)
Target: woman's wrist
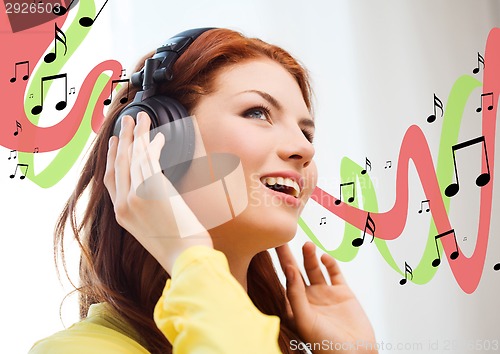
(172, 253)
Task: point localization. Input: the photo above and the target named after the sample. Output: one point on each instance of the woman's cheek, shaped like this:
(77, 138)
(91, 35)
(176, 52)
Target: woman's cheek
(311, 178)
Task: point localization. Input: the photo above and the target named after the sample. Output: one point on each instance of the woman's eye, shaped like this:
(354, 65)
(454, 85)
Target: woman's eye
(257, 113)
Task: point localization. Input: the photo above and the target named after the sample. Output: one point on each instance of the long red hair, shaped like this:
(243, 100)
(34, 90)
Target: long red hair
(114, 267)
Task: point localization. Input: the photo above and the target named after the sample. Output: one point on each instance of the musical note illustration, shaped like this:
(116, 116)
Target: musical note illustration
(18, 126)
(124, 99)
(72, 91)
(480, 59)
(408, 270)
(453, 255)
(10, 154)
(25, 77)
(35, 150)
(31, 95)
(481, 180)
(50, 57)
(367, 164)
(124, 73)
(61, 104)
(25, 171)
(61, 10)
(438, 104)
(87, 21)
(388, 164)
(484, 95)
(497, 266)
(351, 198)
(323, 220)
(422, 206)
(465, 238)
(370, 225)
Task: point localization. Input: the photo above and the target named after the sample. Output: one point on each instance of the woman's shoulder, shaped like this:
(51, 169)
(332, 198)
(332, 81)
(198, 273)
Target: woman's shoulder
(98, 333)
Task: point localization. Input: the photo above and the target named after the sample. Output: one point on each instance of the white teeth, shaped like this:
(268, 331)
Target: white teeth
(284, 181)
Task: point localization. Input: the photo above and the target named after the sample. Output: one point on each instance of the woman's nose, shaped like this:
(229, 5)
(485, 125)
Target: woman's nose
(296, 147)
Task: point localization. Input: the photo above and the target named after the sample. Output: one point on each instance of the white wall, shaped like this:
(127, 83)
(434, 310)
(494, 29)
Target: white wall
(375, 66)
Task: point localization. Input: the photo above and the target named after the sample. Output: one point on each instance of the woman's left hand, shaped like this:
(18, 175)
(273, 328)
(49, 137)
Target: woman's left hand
(325, 313)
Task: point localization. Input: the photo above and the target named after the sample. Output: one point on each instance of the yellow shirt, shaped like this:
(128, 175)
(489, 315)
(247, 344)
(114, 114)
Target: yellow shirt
(203, 309)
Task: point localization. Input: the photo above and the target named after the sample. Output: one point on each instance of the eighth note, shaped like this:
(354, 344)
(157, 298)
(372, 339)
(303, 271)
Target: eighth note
(61, 104)
(388, 164)
(25, 77)
(50, 57)
(370, 225)
(453, 255)
(124, 99)
(18, 126)
(25, 171)
(72, 91)
(323, 222)
(367, 164)
(408, 270)
(422, 206)
(10, 154)
(481, 180)
(87, 21)
(438, 104)
(484, 95)
(480, 59)
(124, 73)
(351, 198)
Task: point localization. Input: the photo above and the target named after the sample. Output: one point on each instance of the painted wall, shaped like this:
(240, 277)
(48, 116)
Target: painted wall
(379, 70)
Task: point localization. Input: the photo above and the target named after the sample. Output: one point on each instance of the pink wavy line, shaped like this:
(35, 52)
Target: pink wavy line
(57, 136)
(389, 225)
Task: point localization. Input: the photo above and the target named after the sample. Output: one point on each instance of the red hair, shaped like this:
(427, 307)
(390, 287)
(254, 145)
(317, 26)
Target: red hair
(114, 267)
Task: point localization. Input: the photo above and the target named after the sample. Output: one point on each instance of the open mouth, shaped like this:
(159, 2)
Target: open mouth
(283, 185)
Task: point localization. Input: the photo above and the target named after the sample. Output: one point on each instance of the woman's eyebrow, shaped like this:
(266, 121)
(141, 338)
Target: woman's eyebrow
(273, 101)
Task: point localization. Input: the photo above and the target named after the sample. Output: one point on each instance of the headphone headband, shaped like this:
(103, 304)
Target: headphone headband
(165, 57)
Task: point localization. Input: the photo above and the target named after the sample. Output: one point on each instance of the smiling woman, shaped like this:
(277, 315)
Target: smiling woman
(145, 286)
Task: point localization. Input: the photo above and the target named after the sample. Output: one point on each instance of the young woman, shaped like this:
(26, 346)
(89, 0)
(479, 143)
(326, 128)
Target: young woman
(145, 286)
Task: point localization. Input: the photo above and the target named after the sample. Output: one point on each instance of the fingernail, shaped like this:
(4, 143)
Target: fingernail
(140, 116)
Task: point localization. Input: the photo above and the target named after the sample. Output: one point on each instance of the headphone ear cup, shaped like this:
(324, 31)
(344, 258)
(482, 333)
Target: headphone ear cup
(171, 118)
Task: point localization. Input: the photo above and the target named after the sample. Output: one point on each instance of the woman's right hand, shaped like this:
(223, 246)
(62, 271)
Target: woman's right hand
(132, 166)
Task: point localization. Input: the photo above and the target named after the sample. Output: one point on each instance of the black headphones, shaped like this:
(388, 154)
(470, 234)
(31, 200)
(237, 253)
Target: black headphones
(165, 112)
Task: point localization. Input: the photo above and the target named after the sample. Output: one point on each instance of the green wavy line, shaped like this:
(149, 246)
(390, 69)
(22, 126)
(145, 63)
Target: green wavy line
(67, 155)
(350, 171)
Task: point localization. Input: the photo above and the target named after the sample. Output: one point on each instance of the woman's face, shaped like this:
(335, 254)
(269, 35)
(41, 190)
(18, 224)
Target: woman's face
(257, 113)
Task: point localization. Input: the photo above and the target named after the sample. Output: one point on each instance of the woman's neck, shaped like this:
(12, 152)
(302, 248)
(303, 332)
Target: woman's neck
(238, 260)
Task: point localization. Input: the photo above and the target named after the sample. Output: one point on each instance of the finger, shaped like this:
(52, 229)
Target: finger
(311, 265)
(139, 149)
(333, 269)
(150, 164)
(122, 161)
(109, 174)
(296, 293)
(286, 258)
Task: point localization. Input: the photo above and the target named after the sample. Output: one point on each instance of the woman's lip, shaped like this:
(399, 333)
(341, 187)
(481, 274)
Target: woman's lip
(290, 200)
